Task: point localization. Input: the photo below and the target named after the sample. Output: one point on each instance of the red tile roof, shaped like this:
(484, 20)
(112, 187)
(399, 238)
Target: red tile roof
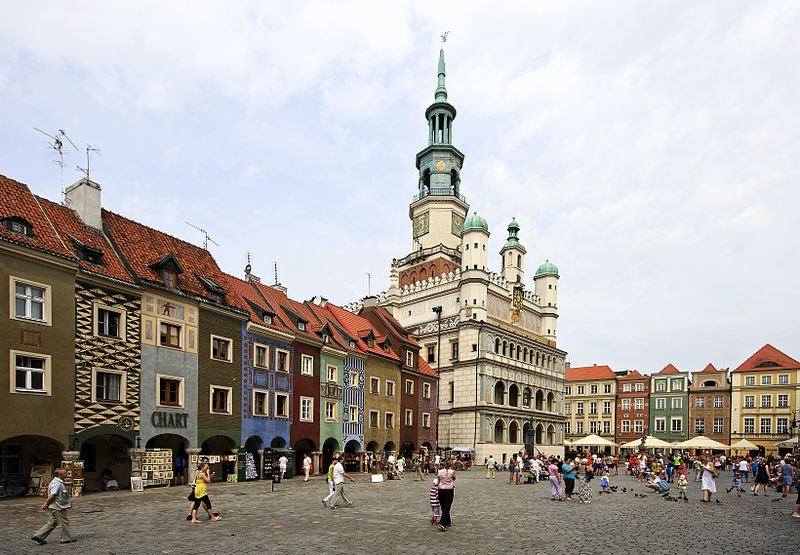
(710, 368)
(425, 368)
(251, 297)
(589, 373)
(140, 245)
(669, 369)
(775, 360)
(287, 311)
(338, 339)
(632, 375)
(356, 324)
(68, 223)
(17, 200)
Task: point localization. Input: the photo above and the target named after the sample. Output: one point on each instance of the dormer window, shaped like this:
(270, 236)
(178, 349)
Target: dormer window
(85, 252)
(301, 325)
(352, 344)
(170, 278)
(216, 297)
(267, 318)
(215, 290)
(326, 338)
(18, 226)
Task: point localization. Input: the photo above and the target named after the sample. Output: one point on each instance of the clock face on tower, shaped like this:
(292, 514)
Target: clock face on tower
(457, 224)
(421, 224)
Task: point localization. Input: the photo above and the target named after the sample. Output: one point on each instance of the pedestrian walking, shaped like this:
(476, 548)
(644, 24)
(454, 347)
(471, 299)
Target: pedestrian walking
(282, 462)
(436, 507)
(786, 477)
(761, 477)
(202, 478)
(568, 468)
(329, 479)
(306, 466)
(58, 501)
(709, 482)
(338, 483)
(555, 481)
(490, 467)
(584, 491)
(447, 484)
(418, 468)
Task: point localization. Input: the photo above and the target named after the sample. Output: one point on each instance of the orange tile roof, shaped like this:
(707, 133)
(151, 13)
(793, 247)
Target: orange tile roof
(17, 200)
(140, 245)
(632, 375)
(770, 355)
(709, 368)
(68, 223)
(669, 369)
(425, 368)
(247, 292)
(338, 333)
(355, 324)
(589, 373)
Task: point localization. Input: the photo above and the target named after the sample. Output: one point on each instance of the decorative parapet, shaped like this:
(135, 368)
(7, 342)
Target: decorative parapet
(432, 281)
(433, 326)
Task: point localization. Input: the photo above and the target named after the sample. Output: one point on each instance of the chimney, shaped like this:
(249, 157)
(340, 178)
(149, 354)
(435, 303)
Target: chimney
(83, 197)
(371, 301)
(280, 288)
(319, 300)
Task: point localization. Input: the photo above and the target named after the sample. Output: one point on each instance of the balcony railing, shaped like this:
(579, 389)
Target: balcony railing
(438, 192)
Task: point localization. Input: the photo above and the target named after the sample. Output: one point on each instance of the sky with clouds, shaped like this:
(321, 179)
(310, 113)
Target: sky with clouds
(649, 149)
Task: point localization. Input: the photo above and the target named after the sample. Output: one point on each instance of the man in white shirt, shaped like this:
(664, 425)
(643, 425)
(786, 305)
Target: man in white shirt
(307, 466)
(436, 462)
(390, 462)
(282, 462)
(744, 469)
(490, 468)
(338, 482)
(537, 467)
(58, 502)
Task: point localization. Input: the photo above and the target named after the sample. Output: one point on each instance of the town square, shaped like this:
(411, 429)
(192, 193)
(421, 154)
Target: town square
(335, 277)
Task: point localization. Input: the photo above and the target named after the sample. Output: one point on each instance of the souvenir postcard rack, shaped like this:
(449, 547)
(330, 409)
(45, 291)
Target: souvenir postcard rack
(157, 468)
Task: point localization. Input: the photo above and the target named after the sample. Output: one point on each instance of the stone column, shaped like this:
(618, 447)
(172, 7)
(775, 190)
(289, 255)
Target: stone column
(316, 456)
(235, 463)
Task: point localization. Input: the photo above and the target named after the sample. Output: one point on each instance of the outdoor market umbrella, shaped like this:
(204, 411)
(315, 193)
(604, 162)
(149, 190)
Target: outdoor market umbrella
(744, 445)
(702, 442)
(593, 440)
(788, 443)
(650, 443)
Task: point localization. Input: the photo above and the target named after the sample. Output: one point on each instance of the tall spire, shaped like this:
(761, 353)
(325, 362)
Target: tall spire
(441, 91)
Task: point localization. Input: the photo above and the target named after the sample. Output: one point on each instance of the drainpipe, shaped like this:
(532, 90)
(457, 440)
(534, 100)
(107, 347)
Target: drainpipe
(438, 311)
(477, 390)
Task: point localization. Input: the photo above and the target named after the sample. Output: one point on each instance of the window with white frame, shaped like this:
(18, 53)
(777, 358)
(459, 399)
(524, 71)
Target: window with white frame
(676, 424)
(567, 408)
(749, 425)
(108, 322)
(749, 380)
(782, 426)
(718, 402)
(281, 405)
(409, 387)
(568, 390)
(306, 409)
(638, 426)
(606, 427)
(593, 407)
(330, 411)
(410, 359)
(700, 402)
(389, 421)
(260, 402)
(352, 414)
(389, 388)
(426, 390)
(592, 427)
(331, 373)
(221, 348)
(766, 401)
(409, 417)
(699, 425)
(108, 386)
(170, 335)
(766, 425)
(579, 408)
(626, 426)
(30, 373)
(661, 403)
(626, 388)
(783, 379)
(375, 386)
(30, 301)
(353, 380)
(578, 427)
(676, 385)
(607, 388)
(567, 427)
(170, 391)
(783, 400)
(661, 424)
(606, 407)
(261, 357)
(661, 385)
(677, 402)
(639, 404)
(718, 426)
(220, 399)
(281, 360)
(626, 404)
(593, 389)
(639, 387)
(580, 390)
(426, 420)
(374, 419)
(749, 401)
(766, 380)
(307, 365)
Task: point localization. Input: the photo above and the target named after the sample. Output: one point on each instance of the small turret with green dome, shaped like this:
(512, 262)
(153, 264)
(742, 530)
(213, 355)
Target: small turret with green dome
(513, 236)
(548, 268)
(475, 222)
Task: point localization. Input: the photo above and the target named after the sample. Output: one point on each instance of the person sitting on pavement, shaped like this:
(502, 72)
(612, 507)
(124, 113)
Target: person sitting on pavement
(656, 483)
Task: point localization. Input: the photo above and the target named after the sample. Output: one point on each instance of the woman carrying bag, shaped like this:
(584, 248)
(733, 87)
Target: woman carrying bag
(447, 485)
(202, 478)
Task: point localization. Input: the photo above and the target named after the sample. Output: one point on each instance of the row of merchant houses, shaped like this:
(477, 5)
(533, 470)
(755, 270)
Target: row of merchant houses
(122, 338)
(758, 401)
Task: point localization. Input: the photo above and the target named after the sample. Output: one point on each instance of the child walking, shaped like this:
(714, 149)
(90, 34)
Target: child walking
(604, 484)
(682, 483)
(736, 483)
(436, 509)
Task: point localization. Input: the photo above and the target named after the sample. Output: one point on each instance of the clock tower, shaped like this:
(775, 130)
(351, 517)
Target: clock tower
(438, 209)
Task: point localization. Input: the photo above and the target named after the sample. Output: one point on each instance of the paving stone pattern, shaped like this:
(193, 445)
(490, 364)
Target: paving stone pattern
(489, 516)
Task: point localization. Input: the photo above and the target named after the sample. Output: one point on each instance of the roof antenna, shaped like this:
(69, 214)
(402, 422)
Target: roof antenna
(369, 284)
(58, 145)
(89, 150)
(248, 267)
(276, 273)
(205, 235)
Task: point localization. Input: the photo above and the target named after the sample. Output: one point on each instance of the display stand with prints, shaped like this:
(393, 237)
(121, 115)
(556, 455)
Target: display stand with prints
(74, 478)
(157, 468)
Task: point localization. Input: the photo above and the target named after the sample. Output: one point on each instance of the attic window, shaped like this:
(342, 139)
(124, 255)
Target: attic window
(170, 278)
(216, 297)
(767, 365)
(18, 226)
(352, 343)
(215, 290)
(301, 326)
(267, 318)
(326, 338)
(86, 253)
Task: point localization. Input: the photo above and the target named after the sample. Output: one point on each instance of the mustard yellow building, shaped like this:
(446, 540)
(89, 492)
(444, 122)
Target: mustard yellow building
(765, 399)
(590, 402)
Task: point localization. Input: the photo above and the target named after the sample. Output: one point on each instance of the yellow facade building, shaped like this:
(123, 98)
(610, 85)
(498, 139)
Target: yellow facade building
(590, 402)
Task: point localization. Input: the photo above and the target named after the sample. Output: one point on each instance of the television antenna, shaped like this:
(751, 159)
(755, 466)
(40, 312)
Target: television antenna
(276, 273)
(206, 238)
(58, 146)
(89, 150)
(369, 284)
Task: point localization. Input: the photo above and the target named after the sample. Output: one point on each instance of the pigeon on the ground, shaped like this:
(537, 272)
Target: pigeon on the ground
(624, 490)
(717, 501)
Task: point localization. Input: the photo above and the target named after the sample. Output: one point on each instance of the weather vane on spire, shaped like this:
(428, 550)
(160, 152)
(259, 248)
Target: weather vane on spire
(444, 37)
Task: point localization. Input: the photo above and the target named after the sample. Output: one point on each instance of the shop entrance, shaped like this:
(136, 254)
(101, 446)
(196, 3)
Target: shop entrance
(407, 451)
(302, 448)
(20, 454)
(220, 449)
(106, 461)
(352, 456)
(328, 450)
(252, 448)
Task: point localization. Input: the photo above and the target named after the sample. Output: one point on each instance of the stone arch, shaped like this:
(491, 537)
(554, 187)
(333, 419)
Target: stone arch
(539, 434)
(423, 274)
(278, 442)
(505, 348)
(525, 354)
(499, 393)
(446, 269)
(513, 395)
(413, 278)
(539, 400)
(526, 397)
(499, 429)
(373, 446)
(551, 435)
(513, 432)
(519, 261)
(511, 350)
(525, 428)
(497, 346)
(519, 352)
(551, 402)
(432, 270)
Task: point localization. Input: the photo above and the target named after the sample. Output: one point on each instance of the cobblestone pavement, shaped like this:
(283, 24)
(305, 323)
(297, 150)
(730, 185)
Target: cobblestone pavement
(489, 516)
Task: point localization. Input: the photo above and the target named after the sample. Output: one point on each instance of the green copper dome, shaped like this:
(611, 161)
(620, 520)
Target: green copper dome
(547, 268)
(513, 224)
(513, 239)
(475, 222)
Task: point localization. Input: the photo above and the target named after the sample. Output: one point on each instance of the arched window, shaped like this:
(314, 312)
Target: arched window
(498, 431)
(551, 402)
(551, 435)
(505, 348)
(537, 358)
(499, 393)
(526, 398)
(539, 434)
(497, 346)
(511, 350)
(513, 395)
(423, 274)
(525, 354)
(539, 400)
(513, 432)
(519, 261)
(519, 350)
